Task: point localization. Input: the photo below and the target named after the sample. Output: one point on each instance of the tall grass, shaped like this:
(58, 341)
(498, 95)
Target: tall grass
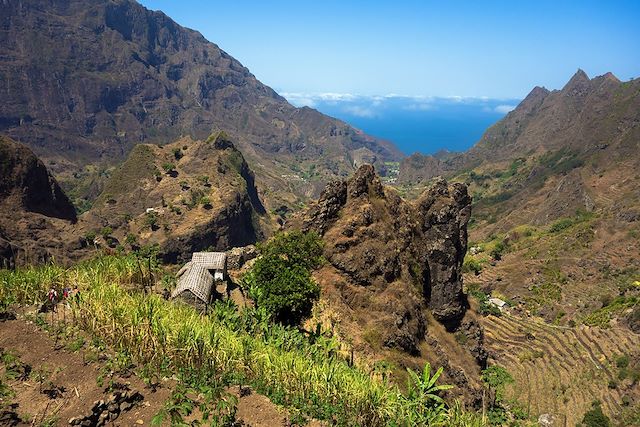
(236, 347)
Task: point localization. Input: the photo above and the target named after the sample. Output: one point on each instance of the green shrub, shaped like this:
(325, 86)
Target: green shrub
(496, 378)
(471, 265)
(106, 232)
(177, 153)
(280, 281)
(168, 167)
(90, 236)
(622, 361)
(206, 202)
(151, 220)
(561, 224)
(595, 417)
(498, 250)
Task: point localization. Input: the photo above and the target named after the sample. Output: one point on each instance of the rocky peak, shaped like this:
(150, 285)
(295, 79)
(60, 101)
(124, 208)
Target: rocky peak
(377, 241)
(533, 100)
(186, 196)
(579, 85)
(365, 182)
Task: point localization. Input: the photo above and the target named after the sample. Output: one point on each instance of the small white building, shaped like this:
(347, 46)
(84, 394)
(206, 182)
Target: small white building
(498, 303)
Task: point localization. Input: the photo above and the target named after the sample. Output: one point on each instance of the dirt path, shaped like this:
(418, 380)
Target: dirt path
(70, 375)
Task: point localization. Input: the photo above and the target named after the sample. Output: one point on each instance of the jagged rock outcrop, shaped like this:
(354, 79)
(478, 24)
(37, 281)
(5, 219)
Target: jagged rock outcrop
(396, 258)
(444, 211)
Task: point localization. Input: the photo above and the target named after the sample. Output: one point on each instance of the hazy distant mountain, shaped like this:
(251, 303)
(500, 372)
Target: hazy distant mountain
(83, 81)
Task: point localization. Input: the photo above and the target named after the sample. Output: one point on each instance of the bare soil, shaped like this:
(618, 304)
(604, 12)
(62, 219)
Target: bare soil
(74, 379)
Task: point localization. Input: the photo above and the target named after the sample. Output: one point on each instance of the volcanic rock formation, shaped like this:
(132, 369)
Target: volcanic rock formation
(392, 257)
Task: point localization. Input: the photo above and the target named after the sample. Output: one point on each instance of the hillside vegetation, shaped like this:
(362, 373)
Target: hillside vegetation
(227, 347)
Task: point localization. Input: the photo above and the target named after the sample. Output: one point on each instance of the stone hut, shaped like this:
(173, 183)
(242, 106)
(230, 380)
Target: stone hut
(196, 280)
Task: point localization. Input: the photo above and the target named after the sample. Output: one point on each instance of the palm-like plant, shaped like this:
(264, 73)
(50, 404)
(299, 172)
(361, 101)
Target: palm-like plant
(424, 388)
(423, 404)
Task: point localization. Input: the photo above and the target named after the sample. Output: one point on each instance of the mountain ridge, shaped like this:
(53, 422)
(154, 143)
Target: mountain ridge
(86, 80)
(574, 117)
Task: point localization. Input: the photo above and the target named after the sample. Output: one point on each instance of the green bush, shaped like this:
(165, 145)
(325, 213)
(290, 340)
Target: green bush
(471, 265)
(90, 236)
(280, 281)
(206, 202)
(151, 220)
(561, 224)
(595, 417)
(622, 361)
(106, 232)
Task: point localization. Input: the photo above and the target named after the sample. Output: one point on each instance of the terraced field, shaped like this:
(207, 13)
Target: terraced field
(561, 370)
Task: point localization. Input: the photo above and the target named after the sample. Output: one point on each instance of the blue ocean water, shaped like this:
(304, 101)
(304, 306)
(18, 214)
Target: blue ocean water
(424, 125)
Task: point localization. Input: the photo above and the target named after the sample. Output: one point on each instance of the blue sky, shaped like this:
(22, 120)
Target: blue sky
(496, 49)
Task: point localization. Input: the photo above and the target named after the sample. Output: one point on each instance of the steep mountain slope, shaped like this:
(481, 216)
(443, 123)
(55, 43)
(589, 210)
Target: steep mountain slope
(561, 188)
(84, 81)
(185, 196)
(597, 117)
(393, 273)
(555, 233)
(32, 206)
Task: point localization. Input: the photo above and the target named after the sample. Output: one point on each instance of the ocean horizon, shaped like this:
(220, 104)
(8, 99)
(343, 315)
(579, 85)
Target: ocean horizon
(414, 124)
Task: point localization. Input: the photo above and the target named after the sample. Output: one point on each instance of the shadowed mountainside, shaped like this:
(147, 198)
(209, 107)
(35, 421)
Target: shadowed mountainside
(32, 206)
(84, 81)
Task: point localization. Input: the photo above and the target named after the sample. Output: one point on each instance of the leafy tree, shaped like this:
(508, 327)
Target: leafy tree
(280, 281)
(296, 248)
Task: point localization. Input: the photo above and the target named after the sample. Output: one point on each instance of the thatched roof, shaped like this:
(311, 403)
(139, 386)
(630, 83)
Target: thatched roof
(198, 281)
(195, 276)
(210, 260)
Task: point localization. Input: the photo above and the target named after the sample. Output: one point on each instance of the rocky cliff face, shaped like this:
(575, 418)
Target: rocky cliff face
(84, 81)
(392, 280)
(26, 183)
(395, 257)
(32, 206)
(186, 196)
